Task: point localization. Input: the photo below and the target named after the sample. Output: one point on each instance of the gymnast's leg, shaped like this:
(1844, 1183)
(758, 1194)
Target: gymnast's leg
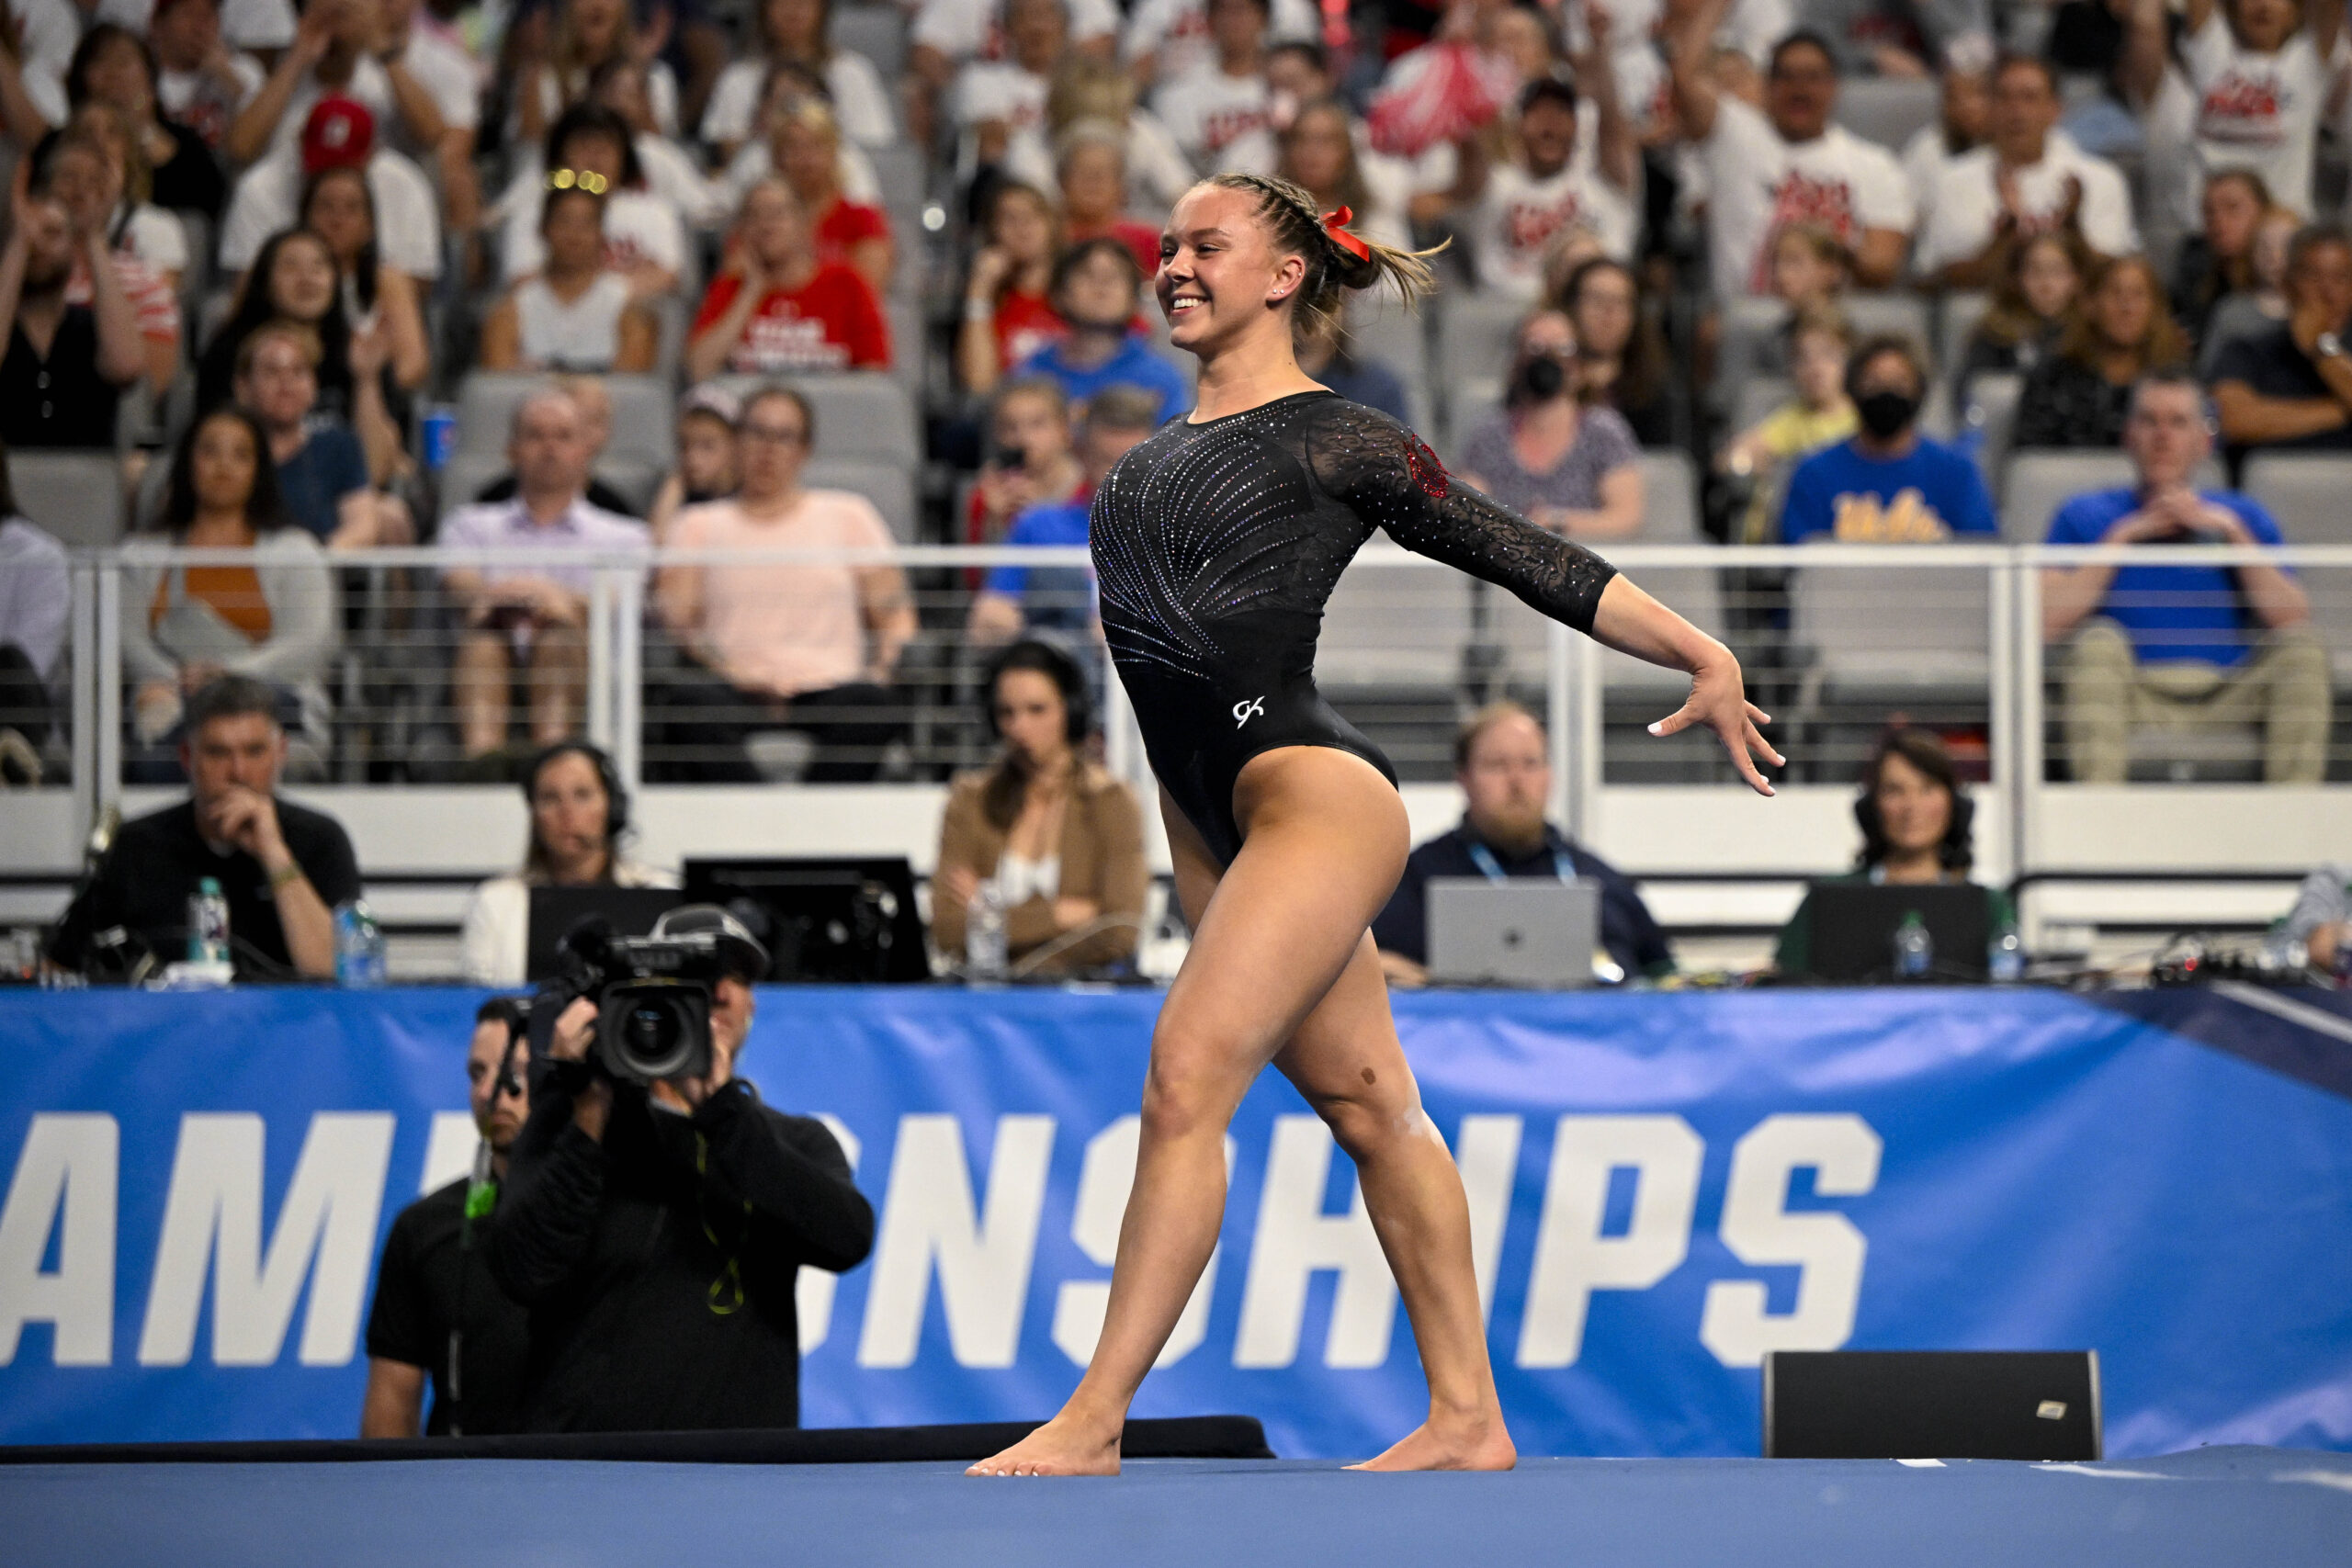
(1326, 843)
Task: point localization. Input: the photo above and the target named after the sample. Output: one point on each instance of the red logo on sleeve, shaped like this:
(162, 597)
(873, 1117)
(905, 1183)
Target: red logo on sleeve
(1427, 471)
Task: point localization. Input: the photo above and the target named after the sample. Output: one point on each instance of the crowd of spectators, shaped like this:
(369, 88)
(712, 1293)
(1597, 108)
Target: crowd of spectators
(329, 216)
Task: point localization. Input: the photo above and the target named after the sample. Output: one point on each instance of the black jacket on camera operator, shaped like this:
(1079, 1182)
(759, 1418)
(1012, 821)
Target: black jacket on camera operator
(656, 1232)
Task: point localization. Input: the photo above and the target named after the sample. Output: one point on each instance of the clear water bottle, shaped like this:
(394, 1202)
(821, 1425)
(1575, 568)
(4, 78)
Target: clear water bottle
(1914, 949)
(984, 953)
(207, 923)
(2005, 955)
(358, 946)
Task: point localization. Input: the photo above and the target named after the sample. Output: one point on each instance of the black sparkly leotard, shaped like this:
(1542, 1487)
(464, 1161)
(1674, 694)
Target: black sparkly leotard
(1217, 544)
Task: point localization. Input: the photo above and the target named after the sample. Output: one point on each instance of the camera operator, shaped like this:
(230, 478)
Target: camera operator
(656, 1231)
(438, 1314)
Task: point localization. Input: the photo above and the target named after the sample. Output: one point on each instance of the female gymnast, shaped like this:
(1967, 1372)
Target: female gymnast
(1216, 541)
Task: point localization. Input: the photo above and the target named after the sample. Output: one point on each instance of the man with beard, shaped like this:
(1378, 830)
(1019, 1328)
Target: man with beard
(439, 1317)
(1503, 764)
(65, 364)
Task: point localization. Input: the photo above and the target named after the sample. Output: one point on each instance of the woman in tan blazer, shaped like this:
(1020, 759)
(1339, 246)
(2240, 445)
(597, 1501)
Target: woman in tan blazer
(1061, 839)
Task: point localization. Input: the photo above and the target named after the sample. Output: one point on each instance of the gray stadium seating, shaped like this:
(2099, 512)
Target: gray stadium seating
(1962, 309)
(1391, 624)
(76, 496)
(1399, 340)
(1872, 312)
(1892, 635)
(1888, 110)
(2039, 481)
(2309, 493)
(1473, 354)
(1669, 498)
(1990, 408)
(644, 413)
(875, 31)
(860, 413)
(889, 486)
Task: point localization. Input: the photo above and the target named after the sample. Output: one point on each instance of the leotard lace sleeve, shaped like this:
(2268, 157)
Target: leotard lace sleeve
(1393, 481)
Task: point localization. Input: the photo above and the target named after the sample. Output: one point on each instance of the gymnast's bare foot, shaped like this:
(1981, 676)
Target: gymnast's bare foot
(1480, 1441)
(1063, 1446)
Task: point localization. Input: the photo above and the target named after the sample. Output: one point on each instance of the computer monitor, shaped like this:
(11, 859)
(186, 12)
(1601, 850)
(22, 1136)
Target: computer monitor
(1854, 925)
(849, 920)
(556, 910)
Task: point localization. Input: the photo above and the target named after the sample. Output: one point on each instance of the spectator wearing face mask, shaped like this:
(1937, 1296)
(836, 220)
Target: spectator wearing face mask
(1887, 483)
(1572, 468)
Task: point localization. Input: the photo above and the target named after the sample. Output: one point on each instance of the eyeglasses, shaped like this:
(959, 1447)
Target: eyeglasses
(588, 180)
(775, 435)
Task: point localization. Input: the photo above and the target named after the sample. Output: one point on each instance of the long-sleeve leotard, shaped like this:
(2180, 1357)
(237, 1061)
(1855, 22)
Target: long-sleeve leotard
(1217, 545)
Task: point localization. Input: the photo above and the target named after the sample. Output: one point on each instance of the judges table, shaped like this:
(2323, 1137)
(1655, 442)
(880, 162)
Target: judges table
(1662, 1187)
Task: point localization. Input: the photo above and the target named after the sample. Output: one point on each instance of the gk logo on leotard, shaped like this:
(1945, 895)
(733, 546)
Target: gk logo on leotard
(1243, 711)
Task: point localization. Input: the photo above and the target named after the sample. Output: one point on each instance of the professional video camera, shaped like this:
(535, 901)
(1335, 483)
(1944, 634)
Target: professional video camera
(652, 992)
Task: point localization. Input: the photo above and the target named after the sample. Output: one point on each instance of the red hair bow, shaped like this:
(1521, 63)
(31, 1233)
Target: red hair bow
(1335, 223)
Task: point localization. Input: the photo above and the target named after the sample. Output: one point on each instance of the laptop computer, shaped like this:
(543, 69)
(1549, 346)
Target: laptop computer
(1854, 925)
(1528, 930)
(556, 910)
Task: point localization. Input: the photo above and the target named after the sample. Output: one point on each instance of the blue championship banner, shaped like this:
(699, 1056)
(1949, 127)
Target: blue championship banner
(1662, 1188)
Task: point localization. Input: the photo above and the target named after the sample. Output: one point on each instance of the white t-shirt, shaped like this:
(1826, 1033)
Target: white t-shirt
(974, 29)
(1221, 122)
(661, 96)
(1157, 171)
(2257, 111)
(445, 71)
(1967, 201)
(638, 227)
(49, 32)
(860, 101)
(1924, 162)
(408, 222)
(999, 90)
(155, 237)
(193, 97)
(672, 173)
(1757, 182)
(1176, 33)
(1520, 217)
(1751, 27)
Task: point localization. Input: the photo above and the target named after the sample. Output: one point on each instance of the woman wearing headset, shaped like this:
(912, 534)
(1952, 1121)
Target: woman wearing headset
(1061, 839)
(579, 815)
(1916, 828)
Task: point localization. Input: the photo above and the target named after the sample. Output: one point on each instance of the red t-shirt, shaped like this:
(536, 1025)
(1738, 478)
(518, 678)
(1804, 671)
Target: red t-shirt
(1024, 324)
(845, 225)
(830, 322)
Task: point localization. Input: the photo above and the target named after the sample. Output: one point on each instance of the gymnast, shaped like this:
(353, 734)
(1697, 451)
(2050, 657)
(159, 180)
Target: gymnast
(1216, 542)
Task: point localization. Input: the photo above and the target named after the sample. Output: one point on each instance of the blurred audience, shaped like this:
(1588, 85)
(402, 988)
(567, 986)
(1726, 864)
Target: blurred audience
(270, 614)
(380, 300)
(645, 235)
(2218, 260)
(1963, 119)
(1503, 763)
(578, 824)
(36, 599)
(339, 133)
(1219, 110)
(575, 313)
(1886, 482)
(67, 364)
(1570, 467)
(706, 457)
(1009, 314)
(811, 647)
(201, 81)
(1917, 827)
(2180, 647)
(800, 31)
(80, 173)
(1621, 362)
(2291, 385)
(1096, 291)
(321, 468)
(2262, 304)
(530, 621)
(281, 867)
(1030, 461)
(1820, 415)
(1091, 173)
(776, 306)
(805, 148)
(1060, 600)
(1517, 208)
(2258, 71)
(2080, 394)
(1059, 839)
(2030, 307)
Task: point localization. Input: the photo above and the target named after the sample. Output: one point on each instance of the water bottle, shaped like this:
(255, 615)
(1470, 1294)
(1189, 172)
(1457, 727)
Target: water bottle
(1914, 949)
(207, 924)
(2005, 958)
(984, 955)
(358, 946)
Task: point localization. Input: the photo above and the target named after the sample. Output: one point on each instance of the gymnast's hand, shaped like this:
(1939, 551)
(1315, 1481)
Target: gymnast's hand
(1718, 699)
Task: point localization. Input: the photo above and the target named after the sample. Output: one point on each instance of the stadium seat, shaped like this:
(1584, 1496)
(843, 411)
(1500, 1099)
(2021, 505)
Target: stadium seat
(1888, 110)
(875, 31)
(2041, 481)
(1521, 638)
(2309, 493)
(1669, 498)
(76, 496)
(1989, 408)
(1473, 354)
(1871, 313)
(1390, 623)
(1877, 640)
(860, 413)
(1398, 340)
(644, 413)
(889, 486)
(1962, 309)
(1757, 397)
(1747, 348)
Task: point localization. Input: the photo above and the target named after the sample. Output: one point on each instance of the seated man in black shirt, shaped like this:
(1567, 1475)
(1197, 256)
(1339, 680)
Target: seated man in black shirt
(439, 1317)
(283, 868)
(2290, 387)
(1504, 768)
(656, 1235)
(65, 365)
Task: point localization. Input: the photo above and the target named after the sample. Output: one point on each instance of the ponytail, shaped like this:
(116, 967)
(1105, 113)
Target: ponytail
(1333, 268)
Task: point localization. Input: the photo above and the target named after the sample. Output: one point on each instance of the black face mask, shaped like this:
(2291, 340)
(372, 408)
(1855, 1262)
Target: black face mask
(1539, 379)
(1883, 413)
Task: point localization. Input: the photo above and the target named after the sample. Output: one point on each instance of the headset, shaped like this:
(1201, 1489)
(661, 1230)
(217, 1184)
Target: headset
(1078, 698)
(616, 797)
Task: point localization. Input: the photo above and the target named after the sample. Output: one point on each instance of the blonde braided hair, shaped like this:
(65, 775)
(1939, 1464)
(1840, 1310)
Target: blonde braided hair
(1290, 213)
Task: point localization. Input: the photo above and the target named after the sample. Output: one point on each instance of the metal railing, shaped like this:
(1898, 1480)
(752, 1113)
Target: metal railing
(1837, 641)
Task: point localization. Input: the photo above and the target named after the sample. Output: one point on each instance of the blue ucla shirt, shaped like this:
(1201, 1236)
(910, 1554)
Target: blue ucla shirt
(1930, 492)
(2171, 613)
(1136, 365)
